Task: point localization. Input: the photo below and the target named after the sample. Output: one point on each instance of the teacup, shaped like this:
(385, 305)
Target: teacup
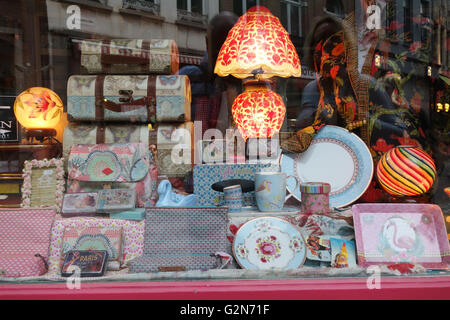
(233, 198)
(270, 190)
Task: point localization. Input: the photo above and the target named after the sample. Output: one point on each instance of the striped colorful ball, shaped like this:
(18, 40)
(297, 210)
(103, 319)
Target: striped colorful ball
(406, 171)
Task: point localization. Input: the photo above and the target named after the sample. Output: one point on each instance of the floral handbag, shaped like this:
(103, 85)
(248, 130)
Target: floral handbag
(92, 167)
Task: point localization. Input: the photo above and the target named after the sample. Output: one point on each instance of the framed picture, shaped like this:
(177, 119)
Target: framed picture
(43, 183)
(397, 233)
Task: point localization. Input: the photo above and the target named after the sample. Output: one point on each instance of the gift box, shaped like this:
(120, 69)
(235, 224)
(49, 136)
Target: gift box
(174, 143)
(137, 214)
(129, 98)
(114, 200)
(79, 204)
(205, 176)
(130, 56)
(76, 133)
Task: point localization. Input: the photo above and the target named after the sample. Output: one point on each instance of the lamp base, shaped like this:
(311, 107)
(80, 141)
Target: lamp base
(40, 134)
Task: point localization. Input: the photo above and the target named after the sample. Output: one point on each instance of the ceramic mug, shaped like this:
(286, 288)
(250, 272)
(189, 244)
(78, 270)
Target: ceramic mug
(233, 198)
(270, 190)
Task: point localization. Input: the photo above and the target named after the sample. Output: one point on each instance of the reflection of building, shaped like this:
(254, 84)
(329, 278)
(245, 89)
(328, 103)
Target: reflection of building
(39, 38)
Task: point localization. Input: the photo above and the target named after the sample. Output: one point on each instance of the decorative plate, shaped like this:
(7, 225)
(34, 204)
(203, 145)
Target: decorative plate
(335, 156)
(269, 243)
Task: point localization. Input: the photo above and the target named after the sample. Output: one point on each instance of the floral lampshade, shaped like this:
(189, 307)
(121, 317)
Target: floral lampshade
(258, 44)
(38, 108)
(258, 112)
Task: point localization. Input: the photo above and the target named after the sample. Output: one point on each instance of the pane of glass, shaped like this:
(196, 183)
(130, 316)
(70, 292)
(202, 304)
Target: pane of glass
(197, 6)
(182, 4)
(295, 20)
(284, 17)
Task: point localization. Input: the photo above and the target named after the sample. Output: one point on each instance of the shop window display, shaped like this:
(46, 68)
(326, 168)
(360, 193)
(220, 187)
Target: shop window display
(225, 140)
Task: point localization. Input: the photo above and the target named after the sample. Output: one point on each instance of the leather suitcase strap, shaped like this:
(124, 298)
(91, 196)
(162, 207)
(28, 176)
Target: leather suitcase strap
(101, 103)
(100, 134)
(106, 49)
(99, 98)
(151, 96)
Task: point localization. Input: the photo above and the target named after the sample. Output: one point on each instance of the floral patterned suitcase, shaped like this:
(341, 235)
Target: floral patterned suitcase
(99, 133)
(175, 148)
(130, 56)
(128, 98)
(92, 167)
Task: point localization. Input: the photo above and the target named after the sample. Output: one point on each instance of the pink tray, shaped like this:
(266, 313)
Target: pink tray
(394, 233)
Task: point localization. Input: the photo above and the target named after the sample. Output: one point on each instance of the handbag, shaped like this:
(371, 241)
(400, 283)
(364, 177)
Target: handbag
(25, 241)
(179, 239)
(92, 167)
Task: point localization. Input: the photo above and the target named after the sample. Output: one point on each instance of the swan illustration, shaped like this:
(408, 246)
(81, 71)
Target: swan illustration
(400, 235)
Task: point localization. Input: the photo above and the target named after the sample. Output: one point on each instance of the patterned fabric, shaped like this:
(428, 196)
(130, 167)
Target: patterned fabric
(94, 238)
(24, 233)
(120, 165)
(182, 237)
(132, 237)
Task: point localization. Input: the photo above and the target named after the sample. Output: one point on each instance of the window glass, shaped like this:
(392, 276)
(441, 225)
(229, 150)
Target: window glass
(379, 69)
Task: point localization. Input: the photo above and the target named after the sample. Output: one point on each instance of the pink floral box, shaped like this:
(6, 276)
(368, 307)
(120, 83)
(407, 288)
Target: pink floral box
(133, 237)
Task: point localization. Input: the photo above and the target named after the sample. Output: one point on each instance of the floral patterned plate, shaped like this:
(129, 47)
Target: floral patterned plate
(269, 243)
(335, 156)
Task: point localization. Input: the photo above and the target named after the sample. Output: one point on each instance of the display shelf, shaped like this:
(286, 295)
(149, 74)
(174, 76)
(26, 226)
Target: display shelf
(407, 287)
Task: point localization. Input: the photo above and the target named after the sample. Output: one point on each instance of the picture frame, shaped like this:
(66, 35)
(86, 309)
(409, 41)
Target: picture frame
(43, 184)
(401, 233)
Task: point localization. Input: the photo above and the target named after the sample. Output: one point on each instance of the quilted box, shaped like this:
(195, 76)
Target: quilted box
(208, 174)
(130, 56)
(181, 239)
(129, 98)
(174, 144)
(76, 133)
(92, 167)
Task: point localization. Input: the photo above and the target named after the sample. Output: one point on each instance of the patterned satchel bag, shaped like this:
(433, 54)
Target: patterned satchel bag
(178, 239)
(92, 167)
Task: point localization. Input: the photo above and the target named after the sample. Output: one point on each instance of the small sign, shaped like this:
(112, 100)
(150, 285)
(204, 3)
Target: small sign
(9, 127)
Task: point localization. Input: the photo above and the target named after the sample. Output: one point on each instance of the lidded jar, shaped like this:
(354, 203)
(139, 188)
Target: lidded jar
(315, 197)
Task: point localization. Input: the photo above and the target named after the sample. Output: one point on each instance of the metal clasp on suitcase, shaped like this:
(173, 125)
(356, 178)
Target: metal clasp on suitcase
(127, 95)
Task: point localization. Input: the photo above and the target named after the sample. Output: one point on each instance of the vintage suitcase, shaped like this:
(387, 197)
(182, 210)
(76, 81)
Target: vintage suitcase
(178, 239)
(129, 98)
(175, 149)
(99, 133)
(92, 167)
(129, 56)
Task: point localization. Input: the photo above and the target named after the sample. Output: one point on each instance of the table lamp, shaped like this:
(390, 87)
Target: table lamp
(256, 49)
(38, 110)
